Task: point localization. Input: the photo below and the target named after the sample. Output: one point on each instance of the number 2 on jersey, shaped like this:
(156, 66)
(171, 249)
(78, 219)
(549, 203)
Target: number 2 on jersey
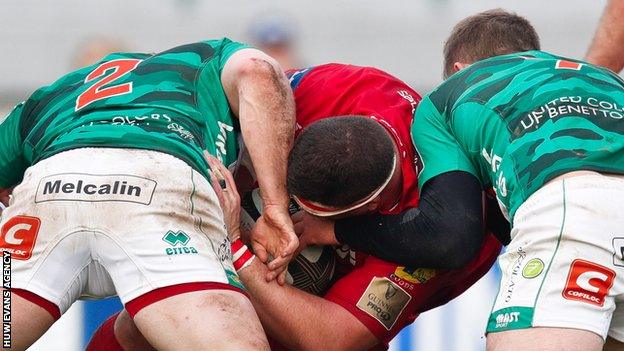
(120, 68)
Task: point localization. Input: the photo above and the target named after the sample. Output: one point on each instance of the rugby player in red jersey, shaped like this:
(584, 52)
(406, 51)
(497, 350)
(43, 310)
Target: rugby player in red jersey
(364, 163)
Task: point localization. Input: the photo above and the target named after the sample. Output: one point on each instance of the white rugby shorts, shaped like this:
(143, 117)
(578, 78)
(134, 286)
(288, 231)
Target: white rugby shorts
(95, 222)
(564, 266)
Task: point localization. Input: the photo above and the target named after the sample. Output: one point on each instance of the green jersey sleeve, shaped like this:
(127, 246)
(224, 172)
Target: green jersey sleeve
(212, 102)
(436, 145)
(12, 162)
(228, 48)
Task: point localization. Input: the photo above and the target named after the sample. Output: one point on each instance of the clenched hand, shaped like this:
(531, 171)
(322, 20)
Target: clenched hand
(274, 235)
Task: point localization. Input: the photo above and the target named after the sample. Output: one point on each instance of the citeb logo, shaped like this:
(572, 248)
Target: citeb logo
(588, 282)
(18, 236)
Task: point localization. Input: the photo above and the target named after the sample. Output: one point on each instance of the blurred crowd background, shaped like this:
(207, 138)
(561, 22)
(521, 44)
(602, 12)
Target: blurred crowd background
(42, 40)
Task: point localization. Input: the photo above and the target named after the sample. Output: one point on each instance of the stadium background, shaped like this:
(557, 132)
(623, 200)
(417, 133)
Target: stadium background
(41, 40)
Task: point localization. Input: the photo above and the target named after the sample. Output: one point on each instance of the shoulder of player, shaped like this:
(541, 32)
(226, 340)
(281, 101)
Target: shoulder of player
(205, 49)
(196, 53)
(15, 112)
(463, 85)
(360, 80)
(326, 73)
(343, 71)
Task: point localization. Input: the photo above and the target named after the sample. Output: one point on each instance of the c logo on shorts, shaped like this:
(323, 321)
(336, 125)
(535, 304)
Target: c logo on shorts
(588, 282)
(19, 235)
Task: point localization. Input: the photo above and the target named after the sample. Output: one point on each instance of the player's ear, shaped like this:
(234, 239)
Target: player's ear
(458, 66)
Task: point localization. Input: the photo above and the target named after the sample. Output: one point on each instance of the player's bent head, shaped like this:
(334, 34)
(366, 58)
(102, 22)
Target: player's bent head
(340, 160)
(486, 34)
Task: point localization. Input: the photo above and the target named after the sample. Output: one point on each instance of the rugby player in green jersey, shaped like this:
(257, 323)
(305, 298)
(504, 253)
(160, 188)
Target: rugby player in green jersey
(546, 132)
(112, 194)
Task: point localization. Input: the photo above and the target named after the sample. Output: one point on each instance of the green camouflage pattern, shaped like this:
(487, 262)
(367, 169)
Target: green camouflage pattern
(517, 121)
(176, 105)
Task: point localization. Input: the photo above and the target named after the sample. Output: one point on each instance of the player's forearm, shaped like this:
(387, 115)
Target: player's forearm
(445, 231)
(301, 321)
(267, 116)
(607, 48)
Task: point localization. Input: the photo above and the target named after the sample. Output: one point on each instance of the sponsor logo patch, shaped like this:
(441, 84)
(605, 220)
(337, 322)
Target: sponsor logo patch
(174, 238)
(416, 276)
(95, 188)
(564, 64)
(19, 235)
(533, 268)
(588, 282)
(384, 301)
(509, 318)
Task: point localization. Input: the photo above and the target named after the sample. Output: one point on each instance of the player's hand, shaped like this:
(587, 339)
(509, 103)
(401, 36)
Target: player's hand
(223, 184)
(313, 230)
(274, 235)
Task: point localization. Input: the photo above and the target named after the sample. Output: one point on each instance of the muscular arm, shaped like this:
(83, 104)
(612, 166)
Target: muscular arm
(445, 231)
(259, 94)
(607, 48)
(301, 321)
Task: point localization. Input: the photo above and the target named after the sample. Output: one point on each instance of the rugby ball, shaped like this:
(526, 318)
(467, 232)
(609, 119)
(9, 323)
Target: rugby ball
(313, 269)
